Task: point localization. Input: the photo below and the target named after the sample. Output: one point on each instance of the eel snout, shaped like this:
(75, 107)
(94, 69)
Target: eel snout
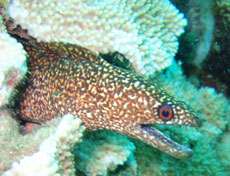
(167, 145)
(157, 139)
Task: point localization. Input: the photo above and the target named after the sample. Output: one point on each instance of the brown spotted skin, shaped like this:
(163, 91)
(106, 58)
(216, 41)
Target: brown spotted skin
(67, 78)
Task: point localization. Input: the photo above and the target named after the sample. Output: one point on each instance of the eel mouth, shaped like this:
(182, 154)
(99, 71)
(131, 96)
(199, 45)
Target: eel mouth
(162, 142)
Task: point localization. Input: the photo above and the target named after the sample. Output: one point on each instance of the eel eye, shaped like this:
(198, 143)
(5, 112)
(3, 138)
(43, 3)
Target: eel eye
(165, 112)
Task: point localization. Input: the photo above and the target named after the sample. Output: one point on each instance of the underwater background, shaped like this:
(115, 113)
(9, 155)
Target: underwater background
(183, 46)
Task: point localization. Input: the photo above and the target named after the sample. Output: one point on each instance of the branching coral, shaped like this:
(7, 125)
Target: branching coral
(54, 155)
(103, 151)
(99, 153)
(2, 26)
(145, 31)
(13, 145)
(4, 3)
(12, 58)
(223, 8)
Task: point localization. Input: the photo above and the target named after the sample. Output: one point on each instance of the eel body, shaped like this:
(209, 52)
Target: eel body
(66, 78)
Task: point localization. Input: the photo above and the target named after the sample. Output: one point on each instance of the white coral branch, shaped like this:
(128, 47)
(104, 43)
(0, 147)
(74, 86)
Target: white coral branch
(54, 156)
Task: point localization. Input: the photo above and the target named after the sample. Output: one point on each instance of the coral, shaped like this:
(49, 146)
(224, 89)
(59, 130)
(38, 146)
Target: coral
(52, 157)
(13, 145)
(47, 149)
(223, 10)
(4, 3)
(12, 58)
(225, 150)
(103, 151)
(208, 152)
(2, 26)
(144, 31)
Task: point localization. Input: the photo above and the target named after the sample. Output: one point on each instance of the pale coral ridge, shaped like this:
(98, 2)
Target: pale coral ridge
(54, 156)
(12, 58)
(103, 151)
(144, 31)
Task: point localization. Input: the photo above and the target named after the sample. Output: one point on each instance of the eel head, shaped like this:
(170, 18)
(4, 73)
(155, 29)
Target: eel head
(151, 105)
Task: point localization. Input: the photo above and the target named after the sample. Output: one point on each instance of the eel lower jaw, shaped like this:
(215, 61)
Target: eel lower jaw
(159, 140)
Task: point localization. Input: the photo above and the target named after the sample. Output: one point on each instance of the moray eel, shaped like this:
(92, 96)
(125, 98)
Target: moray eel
(66, 78)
